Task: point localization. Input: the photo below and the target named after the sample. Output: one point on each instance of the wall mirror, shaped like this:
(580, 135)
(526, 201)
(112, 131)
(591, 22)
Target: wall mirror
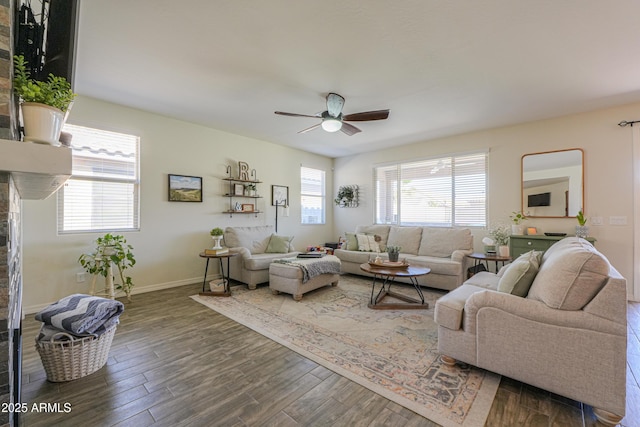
(553, 183)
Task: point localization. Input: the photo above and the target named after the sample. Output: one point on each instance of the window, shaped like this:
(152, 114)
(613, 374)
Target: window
(445, 191)
(312, 195)
(103, 191)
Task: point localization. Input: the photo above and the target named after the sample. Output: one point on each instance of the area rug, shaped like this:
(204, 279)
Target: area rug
(391, 352)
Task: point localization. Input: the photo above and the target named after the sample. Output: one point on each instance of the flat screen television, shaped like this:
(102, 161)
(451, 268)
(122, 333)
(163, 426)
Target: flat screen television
(542, 199)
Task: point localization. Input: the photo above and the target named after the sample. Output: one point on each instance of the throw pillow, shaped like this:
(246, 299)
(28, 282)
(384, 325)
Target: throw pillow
(518, 276)
(278, 244)
(367, 243)
(352, 241)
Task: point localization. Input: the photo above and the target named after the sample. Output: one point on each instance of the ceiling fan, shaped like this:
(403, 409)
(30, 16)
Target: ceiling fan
(333, 120)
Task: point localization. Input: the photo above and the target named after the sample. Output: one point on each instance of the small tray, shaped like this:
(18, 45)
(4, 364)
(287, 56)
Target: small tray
(389, 264)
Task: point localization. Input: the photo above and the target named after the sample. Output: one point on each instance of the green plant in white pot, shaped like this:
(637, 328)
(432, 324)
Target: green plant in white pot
(44, 105)
(581, 229)
(216, 235)
(111, 251)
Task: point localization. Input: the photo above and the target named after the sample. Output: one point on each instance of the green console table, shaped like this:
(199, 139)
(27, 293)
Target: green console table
(521, 244)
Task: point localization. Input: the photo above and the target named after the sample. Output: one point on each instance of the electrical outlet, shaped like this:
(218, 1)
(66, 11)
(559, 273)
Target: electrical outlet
(618, 220)
(596, 220)
(80, 277)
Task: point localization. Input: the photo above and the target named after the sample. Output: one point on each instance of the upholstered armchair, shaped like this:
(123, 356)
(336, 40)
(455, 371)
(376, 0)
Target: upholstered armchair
(566, 335)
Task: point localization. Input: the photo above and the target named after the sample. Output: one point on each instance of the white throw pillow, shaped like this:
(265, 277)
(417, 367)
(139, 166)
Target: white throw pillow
(367, 243)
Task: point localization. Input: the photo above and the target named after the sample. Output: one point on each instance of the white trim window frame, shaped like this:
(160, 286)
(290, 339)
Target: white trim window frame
(313, 195)
(443, 191)
(103, 193)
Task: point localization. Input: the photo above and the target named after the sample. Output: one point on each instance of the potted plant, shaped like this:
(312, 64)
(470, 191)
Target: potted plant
(347, 196)
(517, 218)
(111, 251)
(500, 236)
(394, 252)
(581, 229)
(216, 235)
(44, 105)
(250, 190)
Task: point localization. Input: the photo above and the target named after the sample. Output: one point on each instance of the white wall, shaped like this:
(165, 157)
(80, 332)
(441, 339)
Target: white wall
(172, 233)
(608, 174)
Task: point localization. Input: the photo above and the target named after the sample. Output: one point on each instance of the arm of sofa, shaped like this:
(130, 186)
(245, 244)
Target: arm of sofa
(244, 252)
(536, 311)
(459, 255)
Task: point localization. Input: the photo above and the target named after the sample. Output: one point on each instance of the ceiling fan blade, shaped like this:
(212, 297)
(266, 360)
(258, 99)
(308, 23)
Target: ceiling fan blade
(282, 113)
(334, 104)
(367, 116)
(349, 129)
(310, 128)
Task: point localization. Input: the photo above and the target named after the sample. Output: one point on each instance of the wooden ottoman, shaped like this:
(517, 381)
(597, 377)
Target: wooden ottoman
(288, 279)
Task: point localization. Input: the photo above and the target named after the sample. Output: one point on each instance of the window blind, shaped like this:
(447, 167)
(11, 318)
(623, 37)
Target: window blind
(444, 191)
(312, 195)
(103, 191)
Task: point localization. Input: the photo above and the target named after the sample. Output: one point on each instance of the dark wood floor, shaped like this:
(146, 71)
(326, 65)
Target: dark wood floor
(175, 362)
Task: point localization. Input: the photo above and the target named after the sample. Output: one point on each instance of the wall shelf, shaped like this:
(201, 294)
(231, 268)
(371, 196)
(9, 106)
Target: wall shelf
(232, 195)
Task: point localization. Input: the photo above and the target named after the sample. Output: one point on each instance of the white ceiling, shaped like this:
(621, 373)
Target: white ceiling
(441, 67)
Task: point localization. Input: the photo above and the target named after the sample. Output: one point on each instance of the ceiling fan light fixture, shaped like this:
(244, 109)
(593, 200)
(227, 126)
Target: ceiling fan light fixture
(331, 125)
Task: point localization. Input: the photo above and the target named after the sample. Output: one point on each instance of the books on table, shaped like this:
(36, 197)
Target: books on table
(216, 251)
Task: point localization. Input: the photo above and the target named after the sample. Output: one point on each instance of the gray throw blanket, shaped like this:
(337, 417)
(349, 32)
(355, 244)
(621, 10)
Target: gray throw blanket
(80, 315)
(312, 267)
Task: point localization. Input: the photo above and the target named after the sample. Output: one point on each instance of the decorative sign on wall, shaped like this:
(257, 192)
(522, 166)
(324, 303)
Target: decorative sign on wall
(243, 171)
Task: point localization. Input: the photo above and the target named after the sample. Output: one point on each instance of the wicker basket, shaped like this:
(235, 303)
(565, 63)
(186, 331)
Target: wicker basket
(76, 358)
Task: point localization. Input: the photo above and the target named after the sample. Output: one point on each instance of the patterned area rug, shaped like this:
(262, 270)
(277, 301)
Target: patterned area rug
(391, 352)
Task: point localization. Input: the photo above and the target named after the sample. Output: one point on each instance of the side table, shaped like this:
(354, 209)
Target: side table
(227, 291)
(484, 258)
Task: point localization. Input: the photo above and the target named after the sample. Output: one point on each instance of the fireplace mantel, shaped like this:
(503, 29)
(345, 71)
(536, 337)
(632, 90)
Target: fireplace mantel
(38, 170)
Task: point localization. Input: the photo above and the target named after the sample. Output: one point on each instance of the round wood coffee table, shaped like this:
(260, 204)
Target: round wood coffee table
(387, 275)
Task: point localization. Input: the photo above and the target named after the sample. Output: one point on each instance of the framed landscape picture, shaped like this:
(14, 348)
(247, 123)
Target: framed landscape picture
(185, 188)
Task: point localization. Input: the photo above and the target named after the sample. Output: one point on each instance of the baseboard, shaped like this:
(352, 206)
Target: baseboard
(136, 290)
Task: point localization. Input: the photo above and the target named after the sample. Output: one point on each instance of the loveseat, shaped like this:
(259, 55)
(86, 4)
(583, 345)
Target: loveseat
(556, 321)
(256, 247)
(443, 250)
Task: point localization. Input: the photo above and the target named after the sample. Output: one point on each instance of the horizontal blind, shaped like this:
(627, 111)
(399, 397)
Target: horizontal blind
(103, 191)
(446, 191)
(312, 195)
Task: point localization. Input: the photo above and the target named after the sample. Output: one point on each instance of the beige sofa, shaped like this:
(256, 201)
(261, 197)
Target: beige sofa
(566, 334)
(443, 250)
(256, 248)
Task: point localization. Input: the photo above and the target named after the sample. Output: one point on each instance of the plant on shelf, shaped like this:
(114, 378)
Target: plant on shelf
(44, 104)
(250, 189)
(111, 250)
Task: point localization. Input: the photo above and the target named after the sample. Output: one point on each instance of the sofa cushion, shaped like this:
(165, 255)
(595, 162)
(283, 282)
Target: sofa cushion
(519, 275)
(408, 238)
(261, 261)
(256, 239)
(353, 256)
(376, 230)
(441, 242)
(351, 241)
(367, 243)
(485, 280)
(278, 244)
(571, 276)
(443, 266)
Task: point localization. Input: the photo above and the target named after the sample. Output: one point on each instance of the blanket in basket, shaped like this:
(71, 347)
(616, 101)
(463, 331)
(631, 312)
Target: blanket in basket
(312, 267)
(80, 315)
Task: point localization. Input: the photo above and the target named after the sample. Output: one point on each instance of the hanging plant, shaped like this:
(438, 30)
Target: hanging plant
(347, 196)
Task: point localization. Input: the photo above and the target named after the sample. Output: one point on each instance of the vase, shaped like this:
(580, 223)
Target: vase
(503, 251)
(42, 123)
(582, 231)
(517, 229)
(216, 239)
(393, 256)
